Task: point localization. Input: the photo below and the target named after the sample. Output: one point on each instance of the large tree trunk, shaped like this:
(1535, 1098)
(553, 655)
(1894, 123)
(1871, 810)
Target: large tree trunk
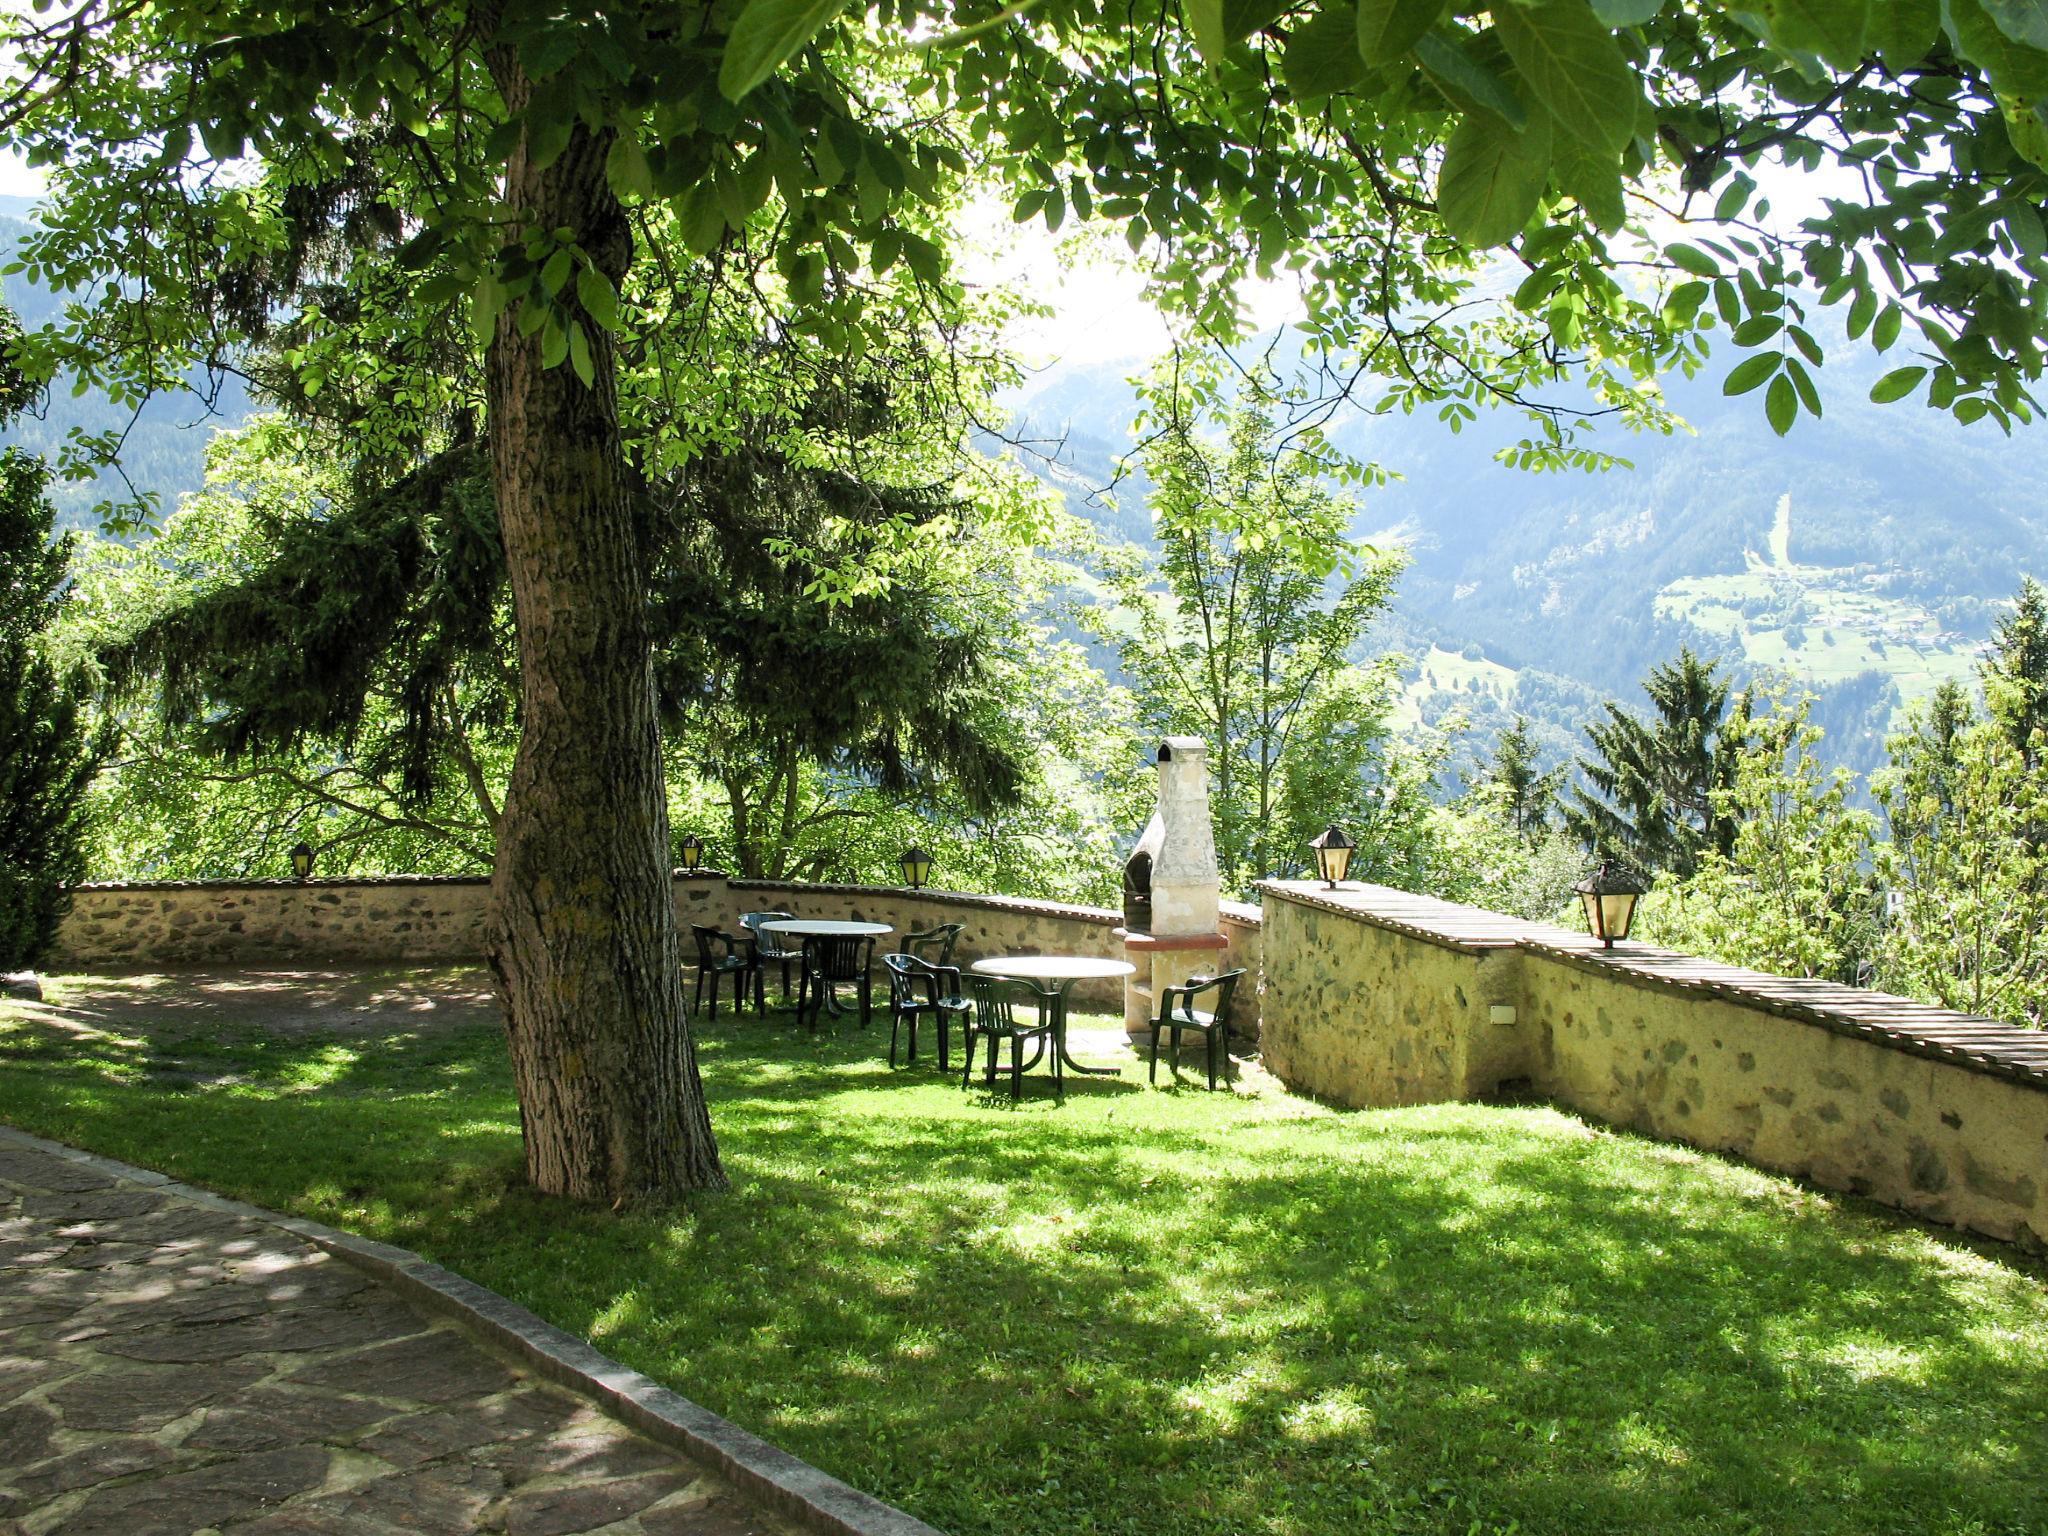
(583, 928)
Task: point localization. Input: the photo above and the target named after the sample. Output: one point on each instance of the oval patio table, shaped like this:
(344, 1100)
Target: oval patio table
(1050, 976)
(829, 928)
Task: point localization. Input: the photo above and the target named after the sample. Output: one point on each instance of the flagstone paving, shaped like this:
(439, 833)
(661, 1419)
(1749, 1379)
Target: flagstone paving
(169, 1369)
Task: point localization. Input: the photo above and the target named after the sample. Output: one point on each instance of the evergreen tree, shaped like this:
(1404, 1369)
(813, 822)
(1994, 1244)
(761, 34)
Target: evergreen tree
(2016, 673)
(1648, 796)
(47, 754)
(1527, 794)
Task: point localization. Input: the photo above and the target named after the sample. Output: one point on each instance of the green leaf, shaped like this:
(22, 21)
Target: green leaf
(1886, 331)
(1626, 13)
(1690, 258)
(1750, 372)
(1834, 29)
(1734, 199)
(1241, 18)
(627, 170)
(1803, 382)
(2027, 128)
(1757, 330)
(1862, 309)
(2024, 21)
(554, 343)
(2015, 70)
(1205, 20)
(1592, 178)
(1388, 29)
(1322, 54)
(599, 299)
(767, 33)
(486, 303)
(1896, 385)
(699, 218)
(579, 354)
(1467, 82)
(2023, 223)
(1572, 64)
(1491, 180)
(1781, 405)
(556, 272)
(1903, 31)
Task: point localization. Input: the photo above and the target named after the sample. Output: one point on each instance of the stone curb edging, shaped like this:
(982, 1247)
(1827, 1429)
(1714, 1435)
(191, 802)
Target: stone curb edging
(815, 1500)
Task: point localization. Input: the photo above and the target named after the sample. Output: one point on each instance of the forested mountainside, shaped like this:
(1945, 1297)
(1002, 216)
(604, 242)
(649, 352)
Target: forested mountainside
(1864, 556)
(165, 446)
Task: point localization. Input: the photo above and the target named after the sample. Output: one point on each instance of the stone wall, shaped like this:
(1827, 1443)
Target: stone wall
(1377, 997)
(441, 918)
(267, 922)
(995, 925)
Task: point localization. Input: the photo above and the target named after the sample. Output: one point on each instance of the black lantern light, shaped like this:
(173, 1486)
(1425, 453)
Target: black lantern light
(302, 861)
(692, 850)
(917, 866)
(1333, 854)
(1610, 894)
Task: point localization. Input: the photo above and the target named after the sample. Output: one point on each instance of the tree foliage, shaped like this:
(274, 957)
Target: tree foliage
(1649, 792)
(1792, 893)
(1241, 631)
(48, 752)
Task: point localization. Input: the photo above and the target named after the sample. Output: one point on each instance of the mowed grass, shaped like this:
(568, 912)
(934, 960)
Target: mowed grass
(1164, 1312)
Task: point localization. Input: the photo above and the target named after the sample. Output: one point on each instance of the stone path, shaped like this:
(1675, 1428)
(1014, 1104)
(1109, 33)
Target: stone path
(168, 1368)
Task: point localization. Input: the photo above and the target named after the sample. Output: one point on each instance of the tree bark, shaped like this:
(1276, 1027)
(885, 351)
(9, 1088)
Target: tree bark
(583, 929)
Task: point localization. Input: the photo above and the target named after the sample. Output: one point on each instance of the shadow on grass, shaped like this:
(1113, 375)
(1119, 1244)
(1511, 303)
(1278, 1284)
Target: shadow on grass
(1154, 1312)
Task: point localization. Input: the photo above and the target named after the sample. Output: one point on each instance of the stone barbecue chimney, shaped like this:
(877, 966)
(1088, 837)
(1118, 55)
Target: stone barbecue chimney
(1171, 886)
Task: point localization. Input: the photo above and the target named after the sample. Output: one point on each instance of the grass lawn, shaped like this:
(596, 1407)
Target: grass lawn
(1159, 1312)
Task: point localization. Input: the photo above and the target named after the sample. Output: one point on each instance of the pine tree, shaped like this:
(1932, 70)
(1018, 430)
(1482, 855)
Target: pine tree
(1530, 795)
(1648, 796)
(47, 755)
(2016, 672)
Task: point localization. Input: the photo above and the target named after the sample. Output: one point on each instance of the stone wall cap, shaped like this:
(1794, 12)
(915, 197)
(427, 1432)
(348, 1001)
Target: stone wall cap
(1922, 1029)
(1023, 904)
(318, 883)
(1450, 924)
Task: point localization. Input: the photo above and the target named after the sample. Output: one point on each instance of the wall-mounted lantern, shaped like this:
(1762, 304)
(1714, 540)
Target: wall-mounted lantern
(692, 850)
(1610, 894)
(1333, 854)
(302, 861)
(916, 865)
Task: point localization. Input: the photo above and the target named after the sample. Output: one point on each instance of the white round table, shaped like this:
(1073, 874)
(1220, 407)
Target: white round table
(1050, 976)
(827, 928)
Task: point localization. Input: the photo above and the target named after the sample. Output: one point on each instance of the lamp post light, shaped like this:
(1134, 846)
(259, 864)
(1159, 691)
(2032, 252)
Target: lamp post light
(916, 865)
(692, 850)
(302, 861)
(1333, 854)
(1610, 894)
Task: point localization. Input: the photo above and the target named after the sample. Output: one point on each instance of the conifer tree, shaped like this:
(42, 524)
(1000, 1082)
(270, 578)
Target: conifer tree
(2016, 672)
(1530, 795)
(47, 754)
(1648, 795)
